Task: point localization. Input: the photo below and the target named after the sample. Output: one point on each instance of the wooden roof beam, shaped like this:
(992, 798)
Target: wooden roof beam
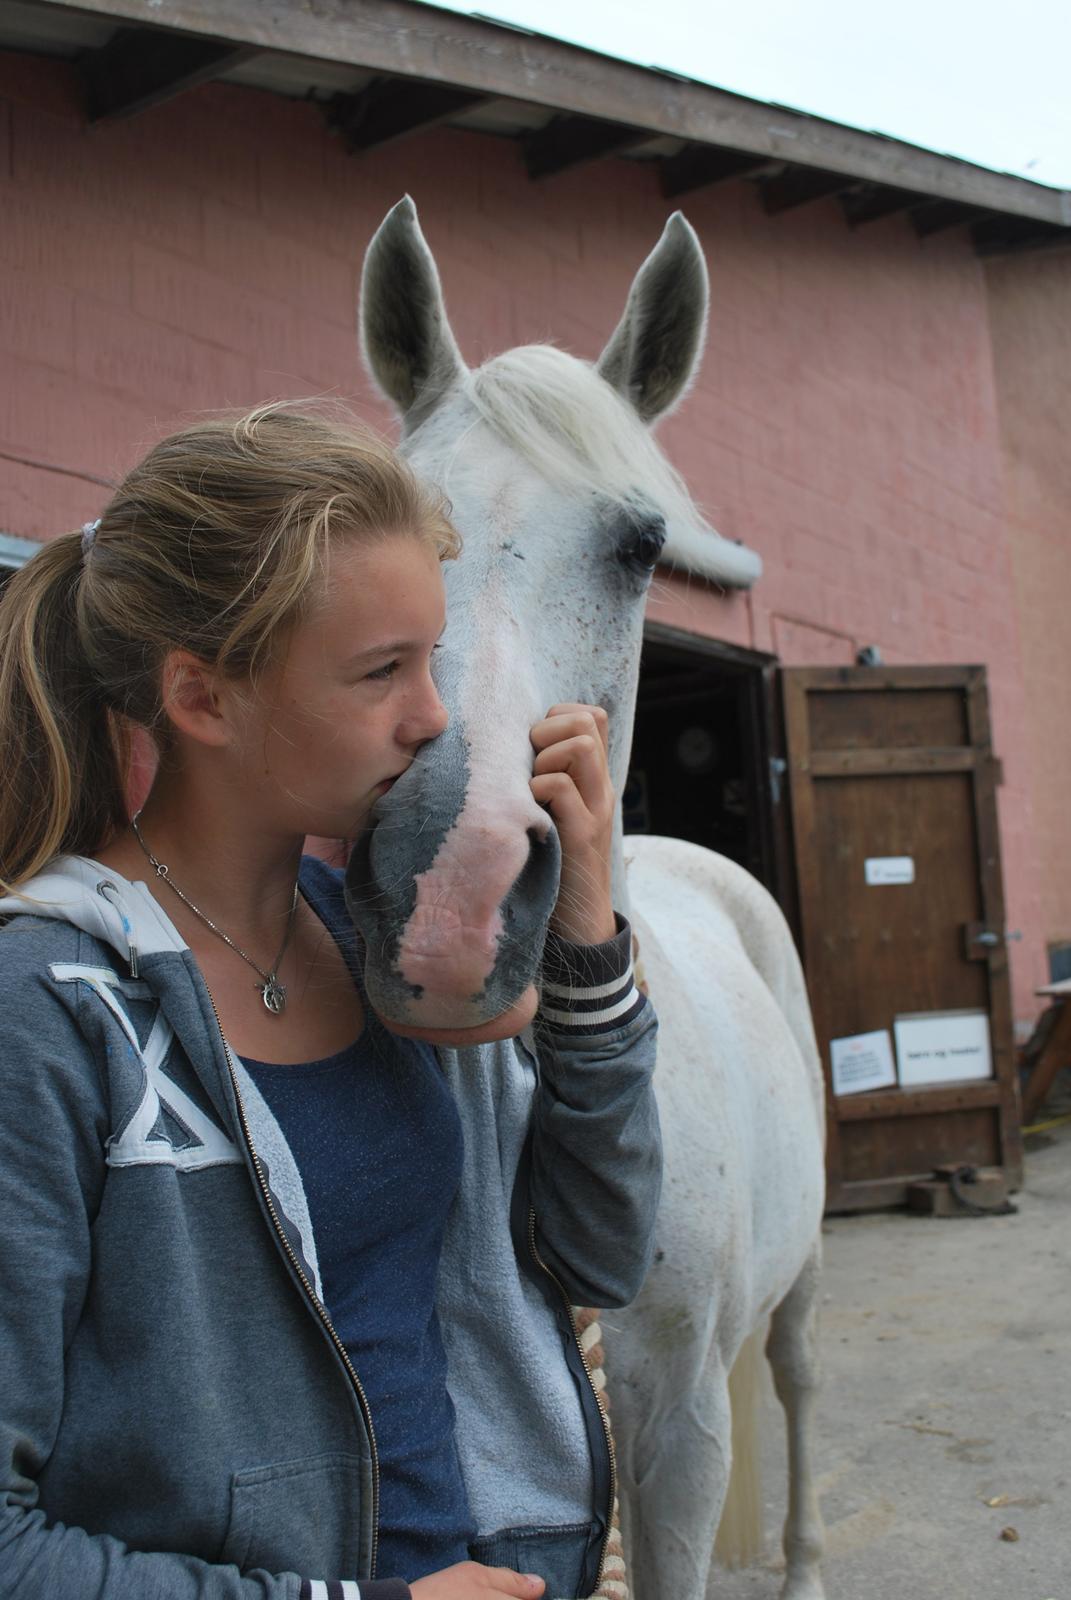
(573, 141)
(933, 216)
(143, 67)
(1005, 236)
(392, 108)
(872, 202)
(698, 165)
(801, 186)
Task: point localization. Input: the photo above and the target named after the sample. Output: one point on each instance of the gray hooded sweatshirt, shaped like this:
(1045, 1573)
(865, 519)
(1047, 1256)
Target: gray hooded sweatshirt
(178, 1418)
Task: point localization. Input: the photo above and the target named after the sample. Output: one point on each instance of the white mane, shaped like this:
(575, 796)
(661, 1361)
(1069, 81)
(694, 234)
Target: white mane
(581, 435)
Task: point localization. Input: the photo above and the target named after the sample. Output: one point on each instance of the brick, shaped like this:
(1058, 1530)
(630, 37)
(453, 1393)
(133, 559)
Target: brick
(62, 245)
(240, 245)
(36, 503)
(699, 607)
(137, 357)
(45, 417)
(190, 144)
(98, 173)
(800, 644)
(37, 319)
(219, 308)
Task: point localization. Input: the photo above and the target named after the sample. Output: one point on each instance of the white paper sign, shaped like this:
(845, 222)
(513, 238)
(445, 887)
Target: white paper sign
(862, 1061)
(889, 869)
(943, 1047)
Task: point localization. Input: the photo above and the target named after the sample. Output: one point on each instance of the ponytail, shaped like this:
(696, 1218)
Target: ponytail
(62, 754)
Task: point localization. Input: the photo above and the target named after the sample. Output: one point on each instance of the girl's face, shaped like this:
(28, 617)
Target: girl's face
(353, 702)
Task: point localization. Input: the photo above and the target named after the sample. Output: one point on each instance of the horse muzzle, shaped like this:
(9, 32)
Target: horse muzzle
(452, 902)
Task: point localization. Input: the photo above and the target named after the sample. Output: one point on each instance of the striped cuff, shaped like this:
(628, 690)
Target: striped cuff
(350, 1589)
(589, 989)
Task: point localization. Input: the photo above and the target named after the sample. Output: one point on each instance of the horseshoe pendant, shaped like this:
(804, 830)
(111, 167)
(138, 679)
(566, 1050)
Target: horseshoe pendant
(273, 995)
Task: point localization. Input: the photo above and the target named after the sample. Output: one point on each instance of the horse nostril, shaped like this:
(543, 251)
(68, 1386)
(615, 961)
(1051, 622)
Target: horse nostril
(538, 878)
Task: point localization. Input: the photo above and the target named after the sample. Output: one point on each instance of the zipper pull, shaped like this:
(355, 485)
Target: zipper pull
(128, 928)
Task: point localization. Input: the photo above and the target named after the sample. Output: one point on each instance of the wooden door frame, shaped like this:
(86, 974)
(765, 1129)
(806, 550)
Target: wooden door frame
(767, 765)
(975, 758)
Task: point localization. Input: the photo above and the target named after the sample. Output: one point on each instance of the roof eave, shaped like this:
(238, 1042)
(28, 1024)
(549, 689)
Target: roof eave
(404, 39)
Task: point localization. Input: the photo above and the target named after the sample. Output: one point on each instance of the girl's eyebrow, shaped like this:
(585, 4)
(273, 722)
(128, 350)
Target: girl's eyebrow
(391, 647)
(388, 649)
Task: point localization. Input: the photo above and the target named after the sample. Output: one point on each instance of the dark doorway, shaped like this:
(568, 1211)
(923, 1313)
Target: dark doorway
(702, 765)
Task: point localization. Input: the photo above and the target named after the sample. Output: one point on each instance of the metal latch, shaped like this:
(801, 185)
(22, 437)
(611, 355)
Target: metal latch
(976, 933)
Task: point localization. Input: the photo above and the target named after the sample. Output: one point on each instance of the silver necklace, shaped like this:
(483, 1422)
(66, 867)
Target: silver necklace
(272, 992)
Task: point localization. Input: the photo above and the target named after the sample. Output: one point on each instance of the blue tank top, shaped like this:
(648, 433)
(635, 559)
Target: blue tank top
(377, 1139)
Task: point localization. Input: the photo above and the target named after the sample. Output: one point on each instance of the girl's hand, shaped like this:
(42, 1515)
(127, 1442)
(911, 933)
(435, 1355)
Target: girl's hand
(471, 1581)
(572, 779)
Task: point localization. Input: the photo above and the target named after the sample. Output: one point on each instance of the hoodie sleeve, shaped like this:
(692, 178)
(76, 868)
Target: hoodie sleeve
(53, 1129)
(596, 1168)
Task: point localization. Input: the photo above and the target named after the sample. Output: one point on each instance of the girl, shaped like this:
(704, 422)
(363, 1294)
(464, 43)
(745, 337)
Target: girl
(230, 1199)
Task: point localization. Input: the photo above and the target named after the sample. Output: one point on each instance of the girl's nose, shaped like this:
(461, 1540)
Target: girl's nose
(425, 721)
(439, 718)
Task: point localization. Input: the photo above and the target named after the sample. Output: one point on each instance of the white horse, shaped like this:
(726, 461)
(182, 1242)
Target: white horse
(564, 503)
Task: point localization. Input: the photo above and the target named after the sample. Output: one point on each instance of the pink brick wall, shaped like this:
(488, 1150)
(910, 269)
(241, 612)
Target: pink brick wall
(206, 253)
(1030, 317)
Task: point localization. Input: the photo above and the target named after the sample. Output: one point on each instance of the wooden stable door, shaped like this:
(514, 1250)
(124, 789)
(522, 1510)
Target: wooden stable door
(893, 801)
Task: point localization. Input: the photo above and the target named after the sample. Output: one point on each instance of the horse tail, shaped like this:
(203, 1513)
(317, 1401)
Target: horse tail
(740, 1532)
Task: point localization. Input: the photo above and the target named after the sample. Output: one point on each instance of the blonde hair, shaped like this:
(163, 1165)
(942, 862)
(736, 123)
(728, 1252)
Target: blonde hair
(215, 543)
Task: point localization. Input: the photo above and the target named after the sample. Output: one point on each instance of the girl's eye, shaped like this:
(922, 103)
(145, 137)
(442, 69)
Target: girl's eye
(384, 672)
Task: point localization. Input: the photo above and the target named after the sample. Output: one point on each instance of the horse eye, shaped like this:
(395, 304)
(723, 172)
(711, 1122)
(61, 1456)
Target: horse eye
(642, 545)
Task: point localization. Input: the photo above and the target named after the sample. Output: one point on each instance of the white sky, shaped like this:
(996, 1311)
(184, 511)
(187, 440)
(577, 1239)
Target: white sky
(988, 80)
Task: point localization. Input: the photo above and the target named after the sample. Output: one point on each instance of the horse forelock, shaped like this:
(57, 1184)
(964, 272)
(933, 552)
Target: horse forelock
(578, 433)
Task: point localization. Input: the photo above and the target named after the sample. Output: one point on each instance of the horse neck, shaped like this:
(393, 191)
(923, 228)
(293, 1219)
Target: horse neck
(621, 901)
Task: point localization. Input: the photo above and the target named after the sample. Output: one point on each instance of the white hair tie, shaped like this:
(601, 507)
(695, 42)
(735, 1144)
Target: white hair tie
(89, 533)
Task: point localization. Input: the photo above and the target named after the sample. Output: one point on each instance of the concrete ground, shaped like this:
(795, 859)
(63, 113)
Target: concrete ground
(946, 1412)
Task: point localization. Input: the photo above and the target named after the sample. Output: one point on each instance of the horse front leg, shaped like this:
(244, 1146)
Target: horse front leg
(792, 1349)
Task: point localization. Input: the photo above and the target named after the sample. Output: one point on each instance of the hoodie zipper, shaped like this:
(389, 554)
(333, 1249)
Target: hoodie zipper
(103, 887)
(314, 1298)
(603, 1413)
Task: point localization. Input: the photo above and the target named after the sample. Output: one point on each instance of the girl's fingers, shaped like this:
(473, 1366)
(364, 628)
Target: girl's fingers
(468, 1580)
(584, 759)
(572, 779)
(597, 714)
(570, 721)
(557, 791)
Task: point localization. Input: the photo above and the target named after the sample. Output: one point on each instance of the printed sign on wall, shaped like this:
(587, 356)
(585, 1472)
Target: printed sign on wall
(862, 1061)
(942, 1047)
(889, 869)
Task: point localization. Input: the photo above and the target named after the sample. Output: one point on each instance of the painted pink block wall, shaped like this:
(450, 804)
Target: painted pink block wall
(206, 253)
(1030, 318)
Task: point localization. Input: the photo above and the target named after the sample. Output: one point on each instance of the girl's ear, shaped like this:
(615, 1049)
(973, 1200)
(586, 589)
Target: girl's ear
(192, 700)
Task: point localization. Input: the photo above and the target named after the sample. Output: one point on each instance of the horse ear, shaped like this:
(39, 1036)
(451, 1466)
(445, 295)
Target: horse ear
(405, 336)
(654, 350)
